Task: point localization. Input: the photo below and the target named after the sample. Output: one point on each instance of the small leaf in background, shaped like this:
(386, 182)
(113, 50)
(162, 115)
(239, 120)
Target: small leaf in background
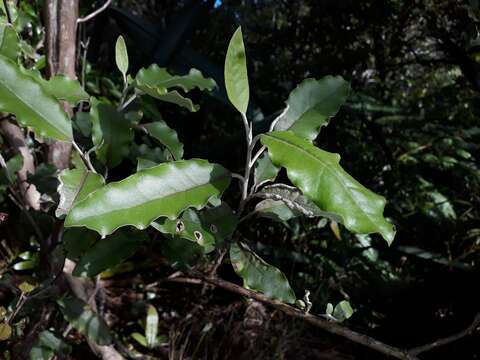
(8, 175)
(23, 96)
(40, 353)
(335, 230)
(342, 311)
(74, 186)
(111, 133)
(321, 179)
(139, 338)
(9, 42)
(311, 105)
(82, 122)
(151, 327)
(329, 310)
(260, 276)
(164, 190)
(3, 313)
(85, 320)
(236, 77)
(121, 56)
(181, 253)
(221, 221)
(5, 331)
(275, 210)
(264, 171)
(109, 252)
(143, 164)
(47, 345)
(76, 241)
(166, 136)
(25, 287)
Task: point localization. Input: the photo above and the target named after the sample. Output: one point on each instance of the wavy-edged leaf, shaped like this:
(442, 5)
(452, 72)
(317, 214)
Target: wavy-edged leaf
(189, 227)
(260, 276)
(21, 95)
(173, 97)
(311, 104)
(82, 318)
(74, 186)
(109, 252)
(161, 80)
(236, 76)
(167, 136)
(320, 177)
(264, 171)
(64, 88)
(275, 210)
(163, 190)
(121, 56)
(111, 133)
(9, 42)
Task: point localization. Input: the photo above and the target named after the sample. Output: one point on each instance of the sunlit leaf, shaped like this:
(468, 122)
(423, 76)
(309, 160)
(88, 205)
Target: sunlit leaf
(260, 276)
(236, 77)
(164, 190)
(320, 177)
(33, 106)
(311, 104)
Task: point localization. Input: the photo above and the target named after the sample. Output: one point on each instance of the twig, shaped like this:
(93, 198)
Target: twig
(84, 157)
(123, 105)
(448, 339)
(93, 14)
(7, 10)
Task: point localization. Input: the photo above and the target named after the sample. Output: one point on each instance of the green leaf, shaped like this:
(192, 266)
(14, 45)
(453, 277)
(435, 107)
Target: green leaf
(139, 338)
(221, 222)
(85, 320)
(189, 227)
(8, 174)
(311, 104)
(5, 331)
(64, 88)
(160, 79)
(9, 42)
(342, 311)
(260, 276)
(40, 353)
(236, 77)
(164, 190)
(48, 340)
(320, 177)
(275, 210)
(21, 95)
(181, 253)
(111, 133)
(167, 136)
(74, 186)
(143, 164)
(76, 241)
(151, 327)
(264, 171)
(121, 56)
(173, 97)
(109, 252)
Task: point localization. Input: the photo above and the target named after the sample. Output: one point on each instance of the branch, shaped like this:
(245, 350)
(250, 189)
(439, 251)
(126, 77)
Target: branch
(95, 13)
(329, 326)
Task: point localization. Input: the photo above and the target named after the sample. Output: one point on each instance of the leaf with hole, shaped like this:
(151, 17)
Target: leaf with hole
(24, 97)
(321, 179)
(311, 104)
(260, 276)
(236, 77)
(163, 190)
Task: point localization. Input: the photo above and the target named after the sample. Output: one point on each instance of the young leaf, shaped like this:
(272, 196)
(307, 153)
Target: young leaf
(74, 186)
(109, 252)
(9, 43)
(121, 56)
(111, 133)
(265, 171)
(163, 190)
(311, 104)
(260, 276)
(151, 327)
(167, 136)
(236, 77)
(320, 177)
(21, 95)
(85, 320)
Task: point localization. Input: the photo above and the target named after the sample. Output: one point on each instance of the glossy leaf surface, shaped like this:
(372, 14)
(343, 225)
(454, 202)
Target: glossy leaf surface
(32, 105)
(260, 276)
(311, 104)
(320, 177)
(163, 190)
(167, 136)
(236, 77)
